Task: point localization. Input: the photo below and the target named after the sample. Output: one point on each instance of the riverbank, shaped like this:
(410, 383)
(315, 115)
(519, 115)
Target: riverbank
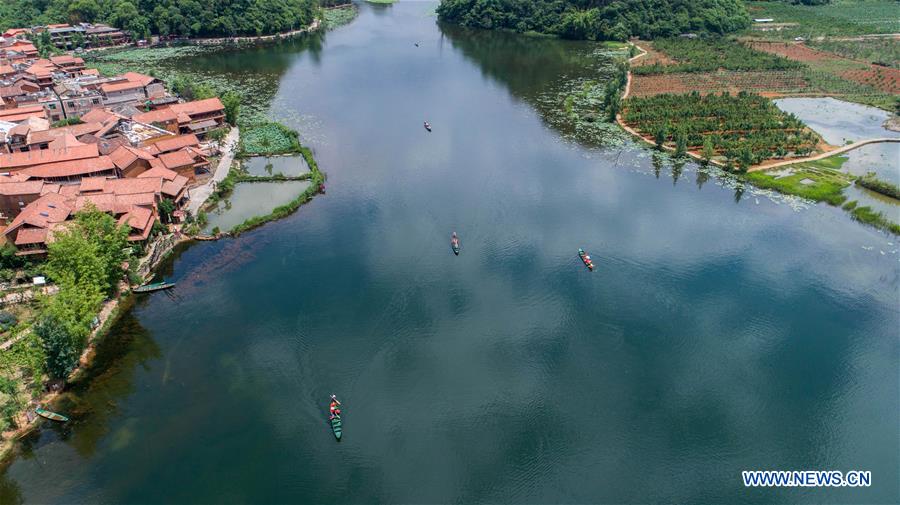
(815, 176)
(25, 420)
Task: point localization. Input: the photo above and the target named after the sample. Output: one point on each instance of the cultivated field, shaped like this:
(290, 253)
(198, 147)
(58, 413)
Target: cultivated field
(772, 83)
(744, 129)
(771, 68)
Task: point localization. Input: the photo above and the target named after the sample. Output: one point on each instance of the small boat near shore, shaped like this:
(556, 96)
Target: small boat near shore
(427, 126)
(585, 257)
(53, 416)
(156, 286)
(454, 243)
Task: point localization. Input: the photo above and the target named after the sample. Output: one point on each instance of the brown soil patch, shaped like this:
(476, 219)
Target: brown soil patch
(881, 78)
(793, 51)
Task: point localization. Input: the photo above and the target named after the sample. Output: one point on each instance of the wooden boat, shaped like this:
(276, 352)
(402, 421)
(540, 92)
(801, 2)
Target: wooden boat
(454, 243)
(156, 286)
(336, 427)
(586, 259)
(53, 416)
(427, 126)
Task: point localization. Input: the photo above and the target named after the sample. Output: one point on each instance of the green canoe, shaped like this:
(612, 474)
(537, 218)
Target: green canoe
(147, 288)
(53, 416)
(336, 426)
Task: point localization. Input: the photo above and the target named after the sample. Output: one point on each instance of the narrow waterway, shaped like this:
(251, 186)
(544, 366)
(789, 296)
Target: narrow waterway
(723, 329)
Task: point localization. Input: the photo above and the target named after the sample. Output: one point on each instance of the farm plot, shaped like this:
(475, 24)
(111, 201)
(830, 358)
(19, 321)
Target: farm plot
(882, 51)
(873, 78)
(839, 18)
(745, 129)
(775, 83)
(710, 55)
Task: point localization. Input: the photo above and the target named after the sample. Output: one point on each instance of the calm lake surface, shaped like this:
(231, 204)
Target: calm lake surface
(262, 166)
(251, 199)
(723, 329)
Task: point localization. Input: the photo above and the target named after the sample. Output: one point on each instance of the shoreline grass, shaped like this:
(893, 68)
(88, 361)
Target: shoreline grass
(874, 218)
(828, 183)
(871, 182)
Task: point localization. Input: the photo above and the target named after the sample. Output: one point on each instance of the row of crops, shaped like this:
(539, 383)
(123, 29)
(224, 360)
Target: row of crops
(838, 18)
(745, 128)
(709, 55)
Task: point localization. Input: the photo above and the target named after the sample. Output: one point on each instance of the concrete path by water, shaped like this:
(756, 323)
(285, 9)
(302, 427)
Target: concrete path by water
(840, 150)
(201, 193)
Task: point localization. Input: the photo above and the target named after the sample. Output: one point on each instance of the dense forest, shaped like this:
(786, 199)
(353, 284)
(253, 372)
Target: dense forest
(600, 19)
(189, 18)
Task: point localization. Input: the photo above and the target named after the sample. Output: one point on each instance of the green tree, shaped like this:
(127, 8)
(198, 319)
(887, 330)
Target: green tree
(232, 103)
(166, 208)
(12, 402)
(83, 11)
(680, 143)
(60, 346)
(660, 136)
(90, 251)
(708, 149)
(745, 159)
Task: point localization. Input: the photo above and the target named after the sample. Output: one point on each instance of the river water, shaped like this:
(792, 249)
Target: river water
(723, 329)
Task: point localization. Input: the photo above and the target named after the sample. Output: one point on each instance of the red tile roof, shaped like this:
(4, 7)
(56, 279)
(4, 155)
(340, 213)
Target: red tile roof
(22, 113)
(175, 187)
(199, 106)
(124, 156)
(66, 59)
(92, 184)
(177, 159)
(142, 79)
(145, 199)
(170, 144)
(133, 186)
(50, 208)
(21, 188)
(39, 70)
(120, 86)
(162, 172)
(98, 115)
(138, 217)
(78, 130)
(45, 156)
(72, 168)
(156, 116)
(31, 236)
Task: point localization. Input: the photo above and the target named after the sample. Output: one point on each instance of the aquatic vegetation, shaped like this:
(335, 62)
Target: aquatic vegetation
(870, 181)
(806, 180)
(170, 64)
(866, 215)
(339, 16)
(268, 138)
